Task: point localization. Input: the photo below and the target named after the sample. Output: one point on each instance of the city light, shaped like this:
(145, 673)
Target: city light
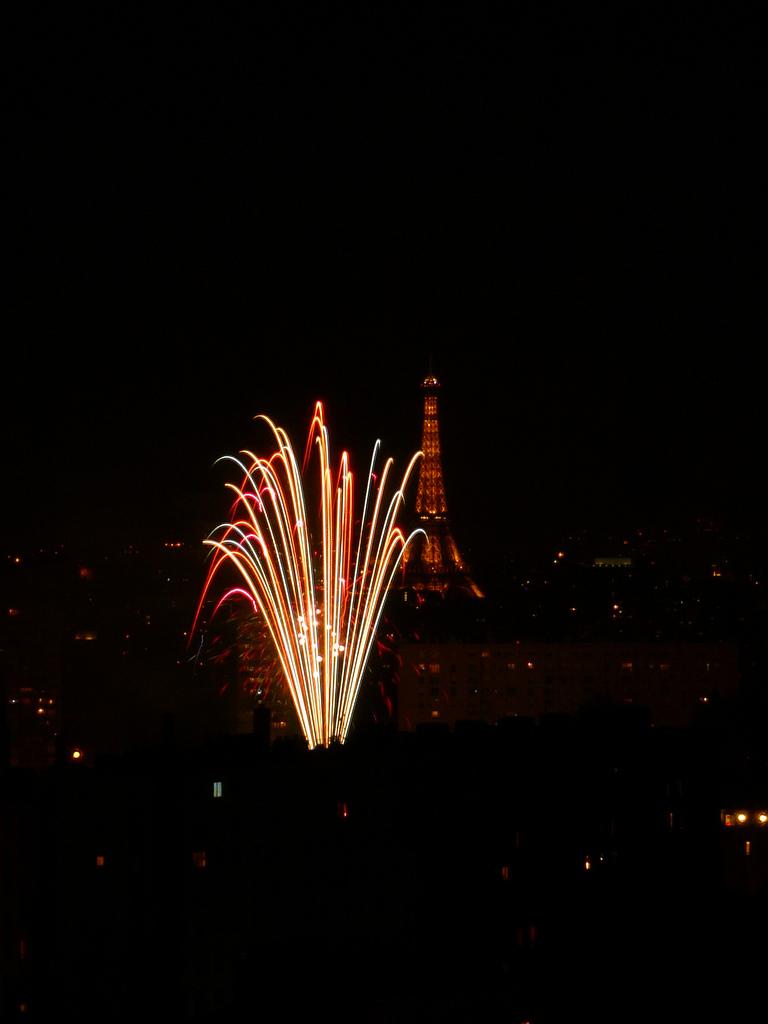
(319, 593)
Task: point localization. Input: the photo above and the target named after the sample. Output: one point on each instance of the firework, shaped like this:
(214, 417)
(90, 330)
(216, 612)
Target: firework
(319, 586)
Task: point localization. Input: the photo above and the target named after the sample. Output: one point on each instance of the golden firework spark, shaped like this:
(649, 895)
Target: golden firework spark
(320, 593)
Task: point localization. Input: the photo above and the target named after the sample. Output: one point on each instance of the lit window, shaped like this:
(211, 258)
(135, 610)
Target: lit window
(100, 860)
(529, 664)
(217, 789)
(511, 666)
(434, 668)
(199, 859)
(505, 872)
(626, 666)
(664, 666)
(435, 714)
(485, 654)
(747, 848)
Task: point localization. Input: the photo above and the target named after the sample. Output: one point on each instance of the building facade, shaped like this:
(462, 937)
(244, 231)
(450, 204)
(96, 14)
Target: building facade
(450, 682)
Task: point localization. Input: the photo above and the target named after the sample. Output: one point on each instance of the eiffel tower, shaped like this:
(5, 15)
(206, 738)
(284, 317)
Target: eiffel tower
(433, 562)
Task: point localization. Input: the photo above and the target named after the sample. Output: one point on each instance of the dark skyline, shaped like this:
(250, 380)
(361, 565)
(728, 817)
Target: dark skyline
(529, 443)
(213, 214)
(216, 210)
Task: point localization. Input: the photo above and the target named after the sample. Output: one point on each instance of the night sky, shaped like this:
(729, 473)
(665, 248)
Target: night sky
(213, 213)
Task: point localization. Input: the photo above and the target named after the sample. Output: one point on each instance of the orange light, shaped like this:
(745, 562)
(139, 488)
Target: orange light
(77, 754)
(762, 817)
(100, 861)
(741, 817)
(324, 678)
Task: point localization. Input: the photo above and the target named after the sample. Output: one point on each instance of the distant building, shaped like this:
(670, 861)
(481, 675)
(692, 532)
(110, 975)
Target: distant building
(260, 691)
(744, 845)
(487, 682)
(432, 560)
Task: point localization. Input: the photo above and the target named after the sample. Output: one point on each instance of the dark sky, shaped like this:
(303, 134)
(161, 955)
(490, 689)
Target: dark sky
(216, 212)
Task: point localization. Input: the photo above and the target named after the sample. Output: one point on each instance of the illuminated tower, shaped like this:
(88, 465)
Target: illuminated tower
(433, 562)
